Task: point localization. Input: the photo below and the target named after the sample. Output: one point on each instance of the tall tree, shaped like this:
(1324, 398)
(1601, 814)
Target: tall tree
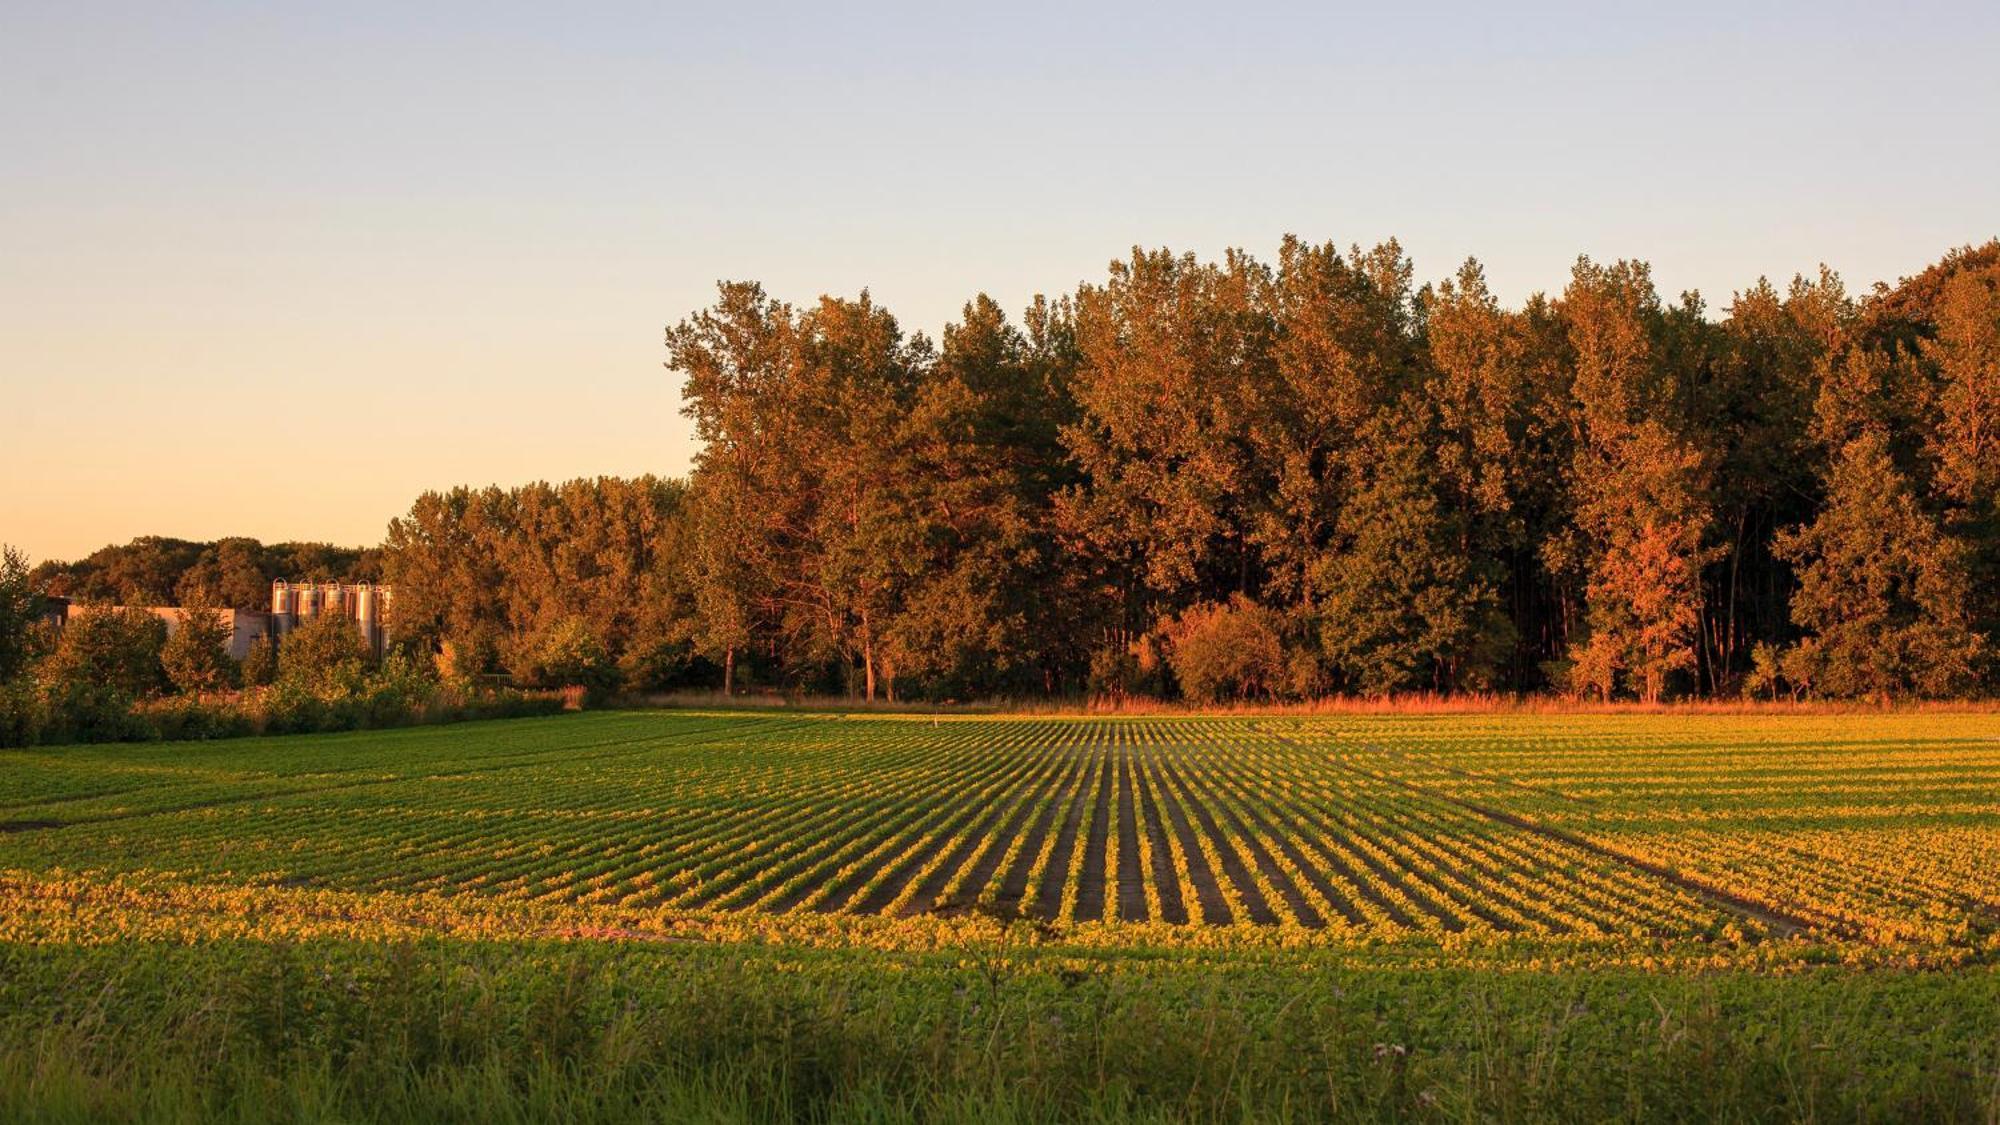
(1642, 509)
(196, 654)
(20, 612)
(1165, 350)
(975, 561)
(1405, 606)
(801, 416)
(1883, 593)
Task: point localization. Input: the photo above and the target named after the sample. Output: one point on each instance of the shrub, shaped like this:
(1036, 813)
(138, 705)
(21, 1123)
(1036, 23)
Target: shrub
(658, 666)
(399, 692)
(568, 654)
(326, 657)
(289, 707)
(1226, 650)
(80, 710)
(1132, 669)
(20, 715)
(259, 667)
(196, 655)
(118, 650)
(1766, 671)
(192, 720)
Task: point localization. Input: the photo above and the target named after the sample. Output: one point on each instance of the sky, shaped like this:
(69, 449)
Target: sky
(275, 269)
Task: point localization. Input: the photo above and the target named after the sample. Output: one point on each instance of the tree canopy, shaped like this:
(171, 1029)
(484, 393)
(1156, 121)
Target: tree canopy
(1241, 478)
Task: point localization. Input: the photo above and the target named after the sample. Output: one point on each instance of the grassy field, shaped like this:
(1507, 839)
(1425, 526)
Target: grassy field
(668, 914)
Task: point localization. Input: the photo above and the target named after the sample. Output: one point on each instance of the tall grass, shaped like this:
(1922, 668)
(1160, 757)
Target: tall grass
(1416, 703)
(352, 1031)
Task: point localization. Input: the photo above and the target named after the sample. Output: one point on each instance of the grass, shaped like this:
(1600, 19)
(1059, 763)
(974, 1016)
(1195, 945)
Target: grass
(710, 916)
(432, 1030)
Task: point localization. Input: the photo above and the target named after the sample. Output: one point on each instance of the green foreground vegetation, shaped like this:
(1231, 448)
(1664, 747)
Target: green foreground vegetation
(688, 916)
(538, 1031)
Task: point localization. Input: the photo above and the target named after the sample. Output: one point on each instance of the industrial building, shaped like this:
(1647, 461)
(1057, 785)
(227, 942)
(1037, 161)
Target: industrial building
(292, 605)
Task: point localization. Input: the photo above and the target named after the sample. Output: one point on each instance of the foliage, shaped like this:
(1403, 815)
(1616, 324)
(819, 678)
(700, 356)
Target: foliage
(109, 653)
(1602, 492)
(20, 714)
(233, 573)
(1404, 606)
(1428, 490)
(196, 655)
(326, 657)
(1227, 650)
(483, 576)
(20, 612)
(1884, 594)
(593, 1031)
(568, 654)
(259, 667)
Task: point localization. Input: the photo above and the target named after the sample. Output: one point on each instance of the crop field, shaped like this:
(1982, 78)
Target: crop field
(1850, 836)
(646, 916)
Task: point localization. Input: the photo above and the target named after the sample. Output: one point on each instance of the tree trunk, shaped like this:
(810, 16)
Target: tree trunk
(729, 671)
(868, 657)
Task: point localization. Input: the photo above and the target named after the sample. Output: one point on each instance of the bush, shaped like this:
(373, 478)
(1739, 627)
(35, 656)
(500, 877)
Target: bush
(191, 720)
(1226, 650)
(260, 665)
(1766, 671)
(659, 666)
(568, 654)
(399, 692)
(287, 707)
(326, 657)
(20, 715)
(311, 698)
(1134, 669)
(74, 710)
(116, 650)
(196, 655)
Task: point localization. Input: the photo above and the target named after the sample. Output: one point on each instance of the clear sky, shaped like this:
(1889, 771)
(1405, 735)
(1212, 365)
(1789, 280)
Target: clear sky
(273, 269)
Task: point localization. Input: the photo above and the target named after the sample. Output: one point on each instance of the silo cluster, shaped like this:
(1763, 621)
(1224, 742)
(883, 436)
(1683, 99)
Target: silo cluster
(295, 603)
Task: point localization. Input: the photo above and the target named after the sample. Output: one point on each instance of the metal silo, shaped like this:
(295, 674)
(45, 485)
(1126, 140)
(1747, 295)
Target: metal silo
(364, 615)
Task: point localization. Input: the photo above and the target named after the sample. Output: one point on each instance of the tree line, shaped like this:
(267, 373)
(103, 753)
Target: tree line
(1312, 476)
(1237, 478)
(1247, 479)
(123, 674)
(231, 573)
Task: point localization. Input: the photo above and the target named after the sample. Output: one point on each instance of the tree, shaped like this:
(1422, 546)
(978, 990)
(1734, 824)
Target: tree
(326, 657)
(1644, 514)
(259, 667)
(1754, 378)
(974, 573)
(802, 415)
(481, 575)
(236, 573)
(1404, 605)
(1166, 349)
(568, 654)
(196, 654)
(116, 650)
(20, 613)
(1640, 488)
(1963, 438)
(1883, 592)
(1965, 354)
